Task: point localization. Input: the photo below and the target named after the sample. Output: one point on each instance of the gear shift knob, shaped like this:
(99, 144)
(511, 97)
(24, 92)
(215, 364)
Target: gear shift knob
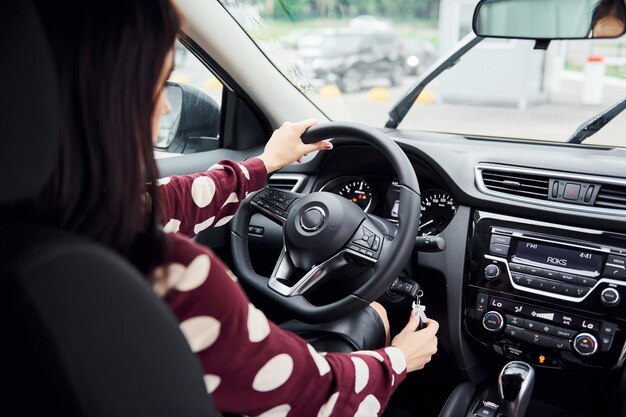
(515, 385)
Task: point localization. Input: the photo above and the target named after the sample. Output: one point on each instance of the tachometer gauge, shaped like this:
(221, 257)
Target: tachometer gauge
(354, 189)
(438, 208)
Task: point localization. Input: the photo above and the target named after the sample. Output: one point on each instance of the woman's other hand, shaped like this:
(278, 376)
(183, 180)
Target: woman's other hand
(418, 347)
(286, 147)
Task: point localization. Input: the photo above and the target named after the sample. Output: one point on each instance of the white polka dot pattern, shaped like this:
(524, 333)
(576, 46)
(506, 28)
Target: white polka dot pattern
(232, 198)
(327, 408)
(371, 353)
(320, 361)
(202, 191)
(172, 226)
(201, 332)
(274, 373)
(211, 382)
(258, 327)
(195, 274)
(361, 374)
(398, 362)
(369, 407)
(393, 380)
(203, 225)
(164, 181)
(223, 221)
(245, 172)
(279, 411)
(215, 167)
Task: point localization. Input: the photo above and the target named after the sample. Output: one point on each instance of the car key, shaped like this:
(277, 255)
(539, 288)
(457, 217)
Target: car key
(420, 310)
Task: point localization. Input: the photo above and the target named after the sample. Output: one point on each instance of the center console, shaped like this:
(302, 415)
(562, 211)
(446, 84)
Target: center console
(547, 294)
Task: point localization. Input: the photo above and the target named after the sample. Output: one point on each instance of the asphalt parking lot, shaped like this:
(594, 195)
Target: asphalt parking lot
(555, 119)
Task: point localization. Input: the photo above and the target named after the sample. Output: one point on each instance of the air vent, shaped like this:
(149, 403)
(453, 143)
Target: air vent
(285, 182)
(611, 196)
(525, 185)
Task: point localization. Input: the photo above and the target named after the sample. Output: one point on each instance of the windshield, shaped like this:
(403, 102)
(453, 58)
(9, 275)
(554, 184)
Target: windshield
(355, 59)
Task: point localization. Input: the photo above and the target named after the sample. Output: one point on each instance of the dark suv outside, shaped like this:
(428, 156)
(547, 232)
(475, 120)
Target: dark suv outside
(350, 57)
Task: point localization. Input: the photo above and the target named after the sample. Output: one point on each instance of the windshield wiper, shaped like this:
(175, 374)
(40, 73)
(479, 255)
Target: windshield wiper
(402, 106)
(597, 122)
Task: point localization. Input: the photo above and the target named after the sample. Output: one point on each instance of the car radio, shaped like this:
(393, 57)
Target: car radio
(551, 294)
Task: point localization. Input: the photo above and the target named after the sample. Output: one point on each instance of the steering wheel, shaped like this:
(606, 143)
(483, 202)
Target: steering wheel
(323, 232)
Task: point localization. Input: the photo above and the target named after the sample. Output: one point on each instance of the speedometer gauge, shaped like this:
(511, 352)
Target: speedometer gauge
(438, 208)
(354, 189)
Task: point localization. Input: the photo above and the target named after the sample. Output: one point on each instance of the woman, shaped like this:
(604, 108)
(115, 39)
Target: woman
(113, 59)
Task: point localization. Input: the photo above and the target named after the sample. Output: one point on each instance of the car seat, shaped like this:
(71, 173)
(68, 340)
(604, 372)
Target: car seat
(83, 332)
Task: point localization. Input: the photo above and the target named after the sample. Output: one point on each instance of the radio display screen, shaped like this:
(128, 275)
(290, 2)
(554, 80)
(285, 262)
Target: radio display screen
(558, 256)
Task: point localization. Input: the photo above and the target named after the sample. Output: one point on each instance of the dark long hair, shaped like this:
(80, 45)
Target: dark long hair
(109, 57)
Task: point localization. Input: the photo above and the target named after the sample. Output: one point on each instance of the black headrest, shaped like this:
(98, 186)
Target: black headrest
(29, 115)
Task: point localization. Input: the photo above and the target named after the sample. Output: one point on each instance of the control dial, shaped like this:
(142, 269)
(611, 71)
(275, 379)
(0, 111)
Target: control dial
(492, 272)
(493, 321)
(610, 297)
(585, 344)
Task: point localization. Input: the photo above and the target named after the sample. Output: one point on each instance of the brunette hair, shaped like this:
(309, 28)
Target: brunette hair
(109, 56)
(608, 8)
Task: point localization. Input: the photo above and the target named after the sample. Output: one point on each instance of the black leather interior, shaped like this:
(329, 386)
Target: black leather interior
(83, 332)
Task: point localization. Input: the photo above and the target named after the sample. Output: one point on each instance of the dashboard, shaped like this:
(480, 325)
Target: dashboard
(380, 196)
(558, 303)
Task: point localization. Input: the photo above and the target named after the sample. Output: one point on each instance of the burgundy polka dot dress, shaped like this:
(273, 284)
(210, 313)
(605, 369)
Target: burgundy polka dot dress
(252, 366)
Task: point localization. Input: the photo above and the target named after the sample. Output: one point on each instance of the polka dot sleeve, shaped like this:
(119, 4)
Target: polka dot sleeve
(192, 203)
(254, 367)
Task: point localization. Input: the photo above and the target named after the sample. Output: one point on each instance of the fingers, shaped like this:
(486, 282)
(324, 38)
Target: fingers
(305, 124)
(414, 321)
(317, 146)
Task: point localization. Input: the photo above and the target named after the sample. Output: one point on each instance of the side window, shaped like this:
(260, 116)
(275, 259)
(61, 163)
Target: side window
(195, 96)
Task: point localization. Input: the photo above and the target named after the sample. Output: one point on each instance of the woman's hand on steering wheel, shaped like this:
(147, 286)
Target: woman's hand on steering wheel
(285, 146)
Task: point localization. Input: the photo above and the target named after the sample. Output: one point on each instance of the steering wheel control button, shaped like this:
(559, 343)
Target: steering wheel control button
(610, 297)
(585, 344)
(312, 219)
(493, 321)
(492, 272)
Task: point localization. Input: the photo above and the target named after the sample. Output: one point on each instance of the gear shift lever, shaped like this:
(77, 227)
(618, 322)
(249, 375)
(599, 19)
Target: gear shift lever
(515, 385)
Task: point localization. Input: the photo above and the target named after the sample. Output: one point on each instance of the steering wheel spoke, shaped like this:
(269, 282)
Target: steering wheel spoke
(274, 204)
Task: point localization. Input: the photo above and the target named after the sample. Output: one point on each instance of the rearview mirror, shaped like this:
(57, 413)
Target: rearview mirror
(549, 19)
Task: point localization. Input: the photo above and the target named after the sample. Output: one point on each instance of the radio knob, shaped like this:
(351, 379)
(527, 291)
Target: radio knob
(492, 272)
(585, 344)
(493, 321)
(610, 297)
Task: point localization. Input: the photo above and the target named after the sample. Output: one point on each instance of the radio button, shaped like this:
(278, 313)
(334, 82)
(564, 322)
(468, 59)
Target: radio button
(561, 344)
(535, 326)
(581, 291)
(552, 286)
(611, 271)
(572, 191)
(570, 290)
(514, 320)
(533, 270)
(517, 267)
(588, 282)
(569, 278)
(498, 249)
(528, 281)
(492, 272)
(500, 240)
(610, 297)
(550, 274)
(616, 260)
(517, 278)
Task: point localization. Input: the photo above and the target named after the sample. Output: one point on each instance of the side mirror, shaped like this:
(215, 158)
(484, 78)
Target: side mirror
(549, 19)
(192, 125)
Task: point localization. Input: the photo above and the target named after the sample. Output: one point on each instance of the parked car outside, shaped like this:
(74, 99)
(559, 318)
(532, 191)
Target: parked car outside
(350, 57)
